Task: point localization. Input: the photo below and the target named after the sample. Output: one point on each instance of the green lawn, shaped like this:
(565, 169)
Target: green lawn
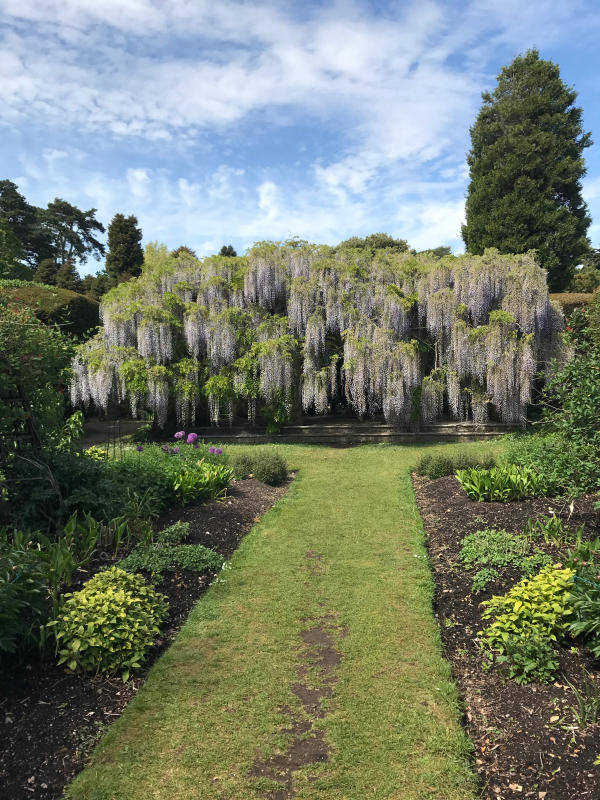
(345, 549)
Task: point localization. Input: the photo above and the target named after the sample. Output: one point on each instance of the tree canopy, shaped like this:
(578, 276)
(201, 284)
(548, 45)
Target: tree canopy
(72, 231)
(526, 165)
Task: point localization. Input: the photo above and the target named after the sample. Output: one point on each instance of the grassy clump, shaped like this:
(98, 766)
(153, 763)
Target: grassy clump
(265, 465)
(438, 466)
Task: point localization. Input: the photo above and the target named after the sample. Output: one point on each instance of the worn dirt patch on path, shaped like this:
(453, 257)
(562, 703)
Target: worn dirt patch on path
(318, 658)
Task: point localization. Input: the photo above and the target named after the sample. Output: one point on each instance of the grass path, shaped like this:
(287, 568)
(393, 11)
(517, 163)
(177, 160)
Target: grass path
(319, 643)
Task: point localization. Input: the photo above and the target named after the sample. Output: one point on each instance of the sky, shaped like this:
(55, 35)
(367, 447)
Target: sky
(230, 122)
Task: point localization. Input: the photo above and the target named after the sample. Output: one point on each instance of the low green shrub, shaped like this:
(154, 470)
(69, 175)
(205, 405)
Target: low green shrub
(567, 467)
(482, 578)
(500, 484)
(242, 464)
(109, 625)
(540, 604)
(174, 534)
(529, 658)
(159, 558)
(269, 467)
(439, 466)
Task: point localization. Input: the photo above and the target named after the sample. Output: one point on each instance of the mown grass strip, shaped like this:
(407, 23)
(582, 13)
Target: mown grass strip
(220, 699)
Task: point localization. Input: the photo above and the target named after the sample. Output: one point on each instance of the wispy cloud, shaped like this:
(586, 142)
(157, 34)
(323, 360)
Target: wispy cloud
(245, 120)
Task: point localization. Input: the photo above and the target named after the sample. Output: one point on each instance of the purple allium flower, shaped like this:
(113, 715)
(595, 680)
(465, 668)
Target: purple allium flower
(211, 450)
(179, 435)
(196, 446)
(191, 438)
(139, 448)
(164, 448)
(175, 450)
(218, 451)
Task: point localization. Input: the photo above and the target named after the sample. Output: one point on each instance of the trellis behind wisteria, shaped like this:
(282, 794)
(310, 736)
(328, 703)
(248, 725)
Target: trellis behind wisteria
(301, 325)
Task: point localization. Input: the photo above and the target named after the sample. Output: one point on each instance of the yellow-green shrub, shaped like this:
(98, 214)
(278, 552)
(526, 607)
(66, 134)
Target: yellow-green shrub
(540, 604)
(109, 625)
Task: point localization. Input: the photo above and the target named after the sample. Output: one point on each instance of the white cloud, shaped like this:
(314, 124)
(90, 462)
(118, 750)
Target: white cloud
(139, 183)
(394, 93)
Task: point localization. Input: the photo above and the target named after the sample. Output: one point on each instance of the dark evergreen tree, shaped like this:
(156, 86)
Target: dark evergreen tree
(95, 286)
(67, 277)
(72, 231)
(24, 222)
(125, 256)
(11, 256)
(46, 272)
(526, 164)
(227, 250)
(183, 250)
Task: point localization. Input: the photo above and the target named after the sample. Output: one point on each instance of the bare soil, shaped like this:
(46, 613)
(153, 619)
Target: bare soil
(527, 742)
(50, 718)
(318, 658)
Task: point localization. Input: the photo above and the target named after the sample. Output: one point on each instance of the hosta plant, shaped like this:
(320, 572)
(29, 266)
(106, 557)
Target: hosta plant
(500, 484)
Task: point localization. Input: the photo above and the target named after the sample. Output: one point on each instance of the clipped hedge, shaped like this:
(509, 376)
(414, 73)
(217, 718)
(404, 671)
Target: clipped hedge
(74, 313)
(569, 301)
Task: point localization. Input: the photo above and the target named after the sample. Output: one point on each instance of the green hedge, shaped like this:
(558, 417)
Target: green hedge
(74, 312)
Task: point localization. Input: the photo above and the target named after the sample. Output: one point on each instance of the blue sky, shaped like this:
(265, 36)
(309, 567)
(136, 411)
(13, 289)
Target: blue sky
(230, 122)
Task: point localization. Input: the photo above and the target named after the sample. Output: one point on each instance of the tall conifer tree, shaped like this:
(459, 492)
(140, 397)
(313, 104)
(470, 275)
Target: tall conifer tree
(526, 164)
(125, 255)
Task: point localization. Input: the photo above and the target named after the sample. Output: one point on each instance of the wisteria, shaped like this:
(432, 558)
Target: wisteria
(306, 327)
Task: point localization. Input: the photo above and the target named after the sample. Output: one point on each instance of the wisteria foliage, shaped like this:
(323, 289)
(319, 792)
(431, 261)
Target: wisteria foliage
(311, 326)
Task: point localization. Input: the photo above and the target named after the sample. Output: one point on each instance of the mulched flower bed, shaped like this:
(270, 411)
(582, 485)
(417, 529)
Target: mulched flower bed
(527, 743)
(50, 719)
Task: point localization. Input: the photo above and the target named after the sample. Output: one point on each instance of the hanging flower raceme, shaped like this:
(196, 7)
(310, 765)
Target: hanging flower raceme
(314, 325)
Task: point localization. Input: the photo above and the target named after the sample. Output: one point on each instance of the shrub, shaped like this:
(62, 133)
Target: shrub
(540, 604)
(567, 468)
(109, 625)
(160, 558)
(242, 464)
(432, 466)
(23, 598)
(529, 658)
(75, 313)
(269, 467)
(174, 534)
(500, 484)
